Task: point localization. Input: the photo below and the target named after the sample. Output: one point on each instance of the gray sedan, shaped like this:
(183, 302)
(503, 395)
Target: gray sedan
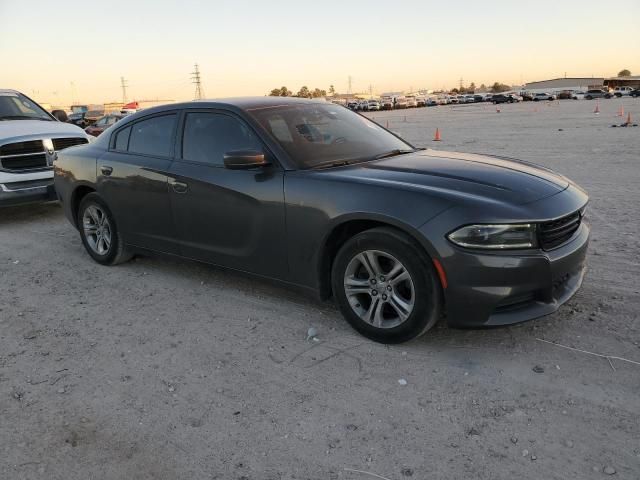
(314, 195)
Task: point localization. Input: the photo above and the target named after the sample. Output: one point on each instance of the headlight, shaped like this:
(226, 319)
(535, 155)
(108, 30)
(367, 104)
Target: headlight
(496, 237)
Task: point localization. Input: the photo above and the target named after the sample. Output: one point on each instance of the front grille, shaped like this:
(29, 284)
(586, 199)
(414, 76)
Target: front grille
(22, 148)
(24, 162)
(62, 143)
(556, 232)
(44, 182)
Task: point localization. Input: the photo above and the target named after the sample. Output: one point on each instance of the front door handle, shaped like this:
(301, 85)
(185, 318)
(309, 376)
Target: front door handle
(106, 170)
(179, 187)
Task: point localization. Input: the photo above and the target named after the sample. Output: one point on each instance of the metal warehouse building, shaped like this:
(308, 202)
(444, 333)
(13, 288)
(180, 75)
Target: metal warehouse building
(559, 84)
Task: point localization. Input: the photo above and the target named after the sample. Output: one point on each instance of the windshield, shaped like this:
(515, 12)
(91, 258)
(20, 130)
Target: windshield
(15, 106)
(315, 134)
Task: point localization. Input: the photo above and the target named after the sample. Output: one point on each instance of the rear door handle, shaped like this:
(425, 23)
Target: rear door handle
(106, 170)
(179, 187)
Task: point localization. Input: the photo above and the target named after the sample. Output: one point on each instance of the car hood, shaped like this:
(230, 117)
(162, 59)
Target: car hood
(465, 174)
(11, 130)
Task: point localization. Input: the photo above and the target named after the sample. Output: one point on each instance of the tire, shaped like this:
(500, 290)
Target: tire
(389, 310)
(536, 99)
(589, 97)
(105, 246)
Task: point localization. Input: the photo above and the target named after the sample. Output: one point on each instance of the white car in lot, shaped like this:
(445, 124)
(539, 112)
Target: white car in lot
(373, 105)
(622, 91)
(577, 95)
(30, 139)
(543, 96)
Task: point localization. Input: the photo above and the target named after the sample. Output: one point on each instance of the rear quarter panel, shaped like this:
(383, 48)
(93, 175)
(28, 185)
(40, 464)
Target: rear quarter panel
(74, 167)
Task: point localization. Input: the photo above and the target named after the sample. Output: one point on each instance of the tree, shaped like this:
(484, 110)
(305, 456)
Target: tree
(455, 90)
(471, 88)
(498, 87)
(317, 93)
(280, 92)
(304, 92)
(624, 73)
(332, 90)
(483, 88)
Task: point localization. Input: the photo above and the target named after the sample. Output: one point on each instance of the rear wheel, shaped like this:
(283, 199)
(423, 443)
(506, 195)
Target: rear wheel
(99, 232)
(385, 286)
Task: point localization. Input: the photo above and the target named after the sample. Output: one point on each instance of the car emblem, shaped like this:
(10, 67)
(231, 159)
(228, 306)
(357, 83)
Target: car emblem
(49, 151)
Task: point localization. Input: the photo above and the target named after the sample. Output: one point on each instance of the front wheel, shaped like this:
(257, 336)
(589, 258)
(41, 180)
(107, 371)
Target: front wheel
(99, 232)
(385, 286)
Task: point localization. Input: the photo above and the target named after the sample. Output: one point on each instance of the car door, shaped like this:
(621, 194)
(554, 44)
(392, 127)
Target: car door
(132, 179)
(233, 218)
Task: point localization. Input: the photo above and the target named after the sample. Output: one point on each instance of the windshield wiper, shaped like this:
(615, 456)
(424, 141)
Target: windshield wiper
(24, 117)
(332, 163)
(392, 153)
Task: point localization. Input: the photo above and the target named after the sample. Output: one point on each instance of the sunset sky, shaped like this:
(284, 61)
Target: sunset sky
(249, 47)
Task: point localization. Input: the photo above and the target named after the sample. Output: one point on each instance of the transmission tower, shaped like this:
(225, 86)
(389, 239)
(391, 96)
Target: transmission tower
(349, 90)
(195, 77)
(123, 85)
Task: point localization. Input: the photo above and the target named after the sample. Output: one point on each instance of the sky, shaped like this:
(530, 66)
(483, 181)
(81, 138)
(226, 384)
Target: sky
(64, 51)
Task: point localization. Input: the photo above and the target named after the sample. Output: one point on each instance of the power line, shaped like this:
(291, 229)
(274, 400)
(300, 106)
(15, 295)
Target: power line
(123, 85)
(195, 77)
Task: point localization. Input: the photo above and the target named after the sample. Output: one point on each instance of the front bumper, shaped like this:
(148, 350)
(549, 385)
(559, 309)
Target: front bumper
(487, 289)
(23, 193)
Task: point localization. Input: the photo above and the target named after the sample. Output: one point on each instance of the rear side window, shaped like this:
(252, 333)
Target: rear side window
(208, 136)
(122, 139)
(153, 136)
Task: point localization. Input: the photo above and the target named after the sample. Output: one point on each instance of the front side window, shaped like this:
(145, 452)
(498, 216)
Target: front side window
(153, 136)
(208, 136)
(314, 134)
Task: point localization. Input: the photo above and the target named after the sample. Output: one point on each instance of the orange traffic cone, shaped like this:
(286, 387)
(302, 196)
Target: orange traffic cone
(621, 111)
(387, 124)
(497, 109)
(629, 119)
(437, 138)
(597, 110)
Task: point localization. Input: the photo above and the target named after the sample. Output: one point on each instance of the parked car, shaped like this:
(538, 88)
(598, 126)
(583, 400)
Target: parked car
(421, 102)
(431, 101)
(577, 95)
(468, 98)
(92, 116)
(502, 98)
(622, 91)
(527, 96)
(30, 139)
(635, 93)
(374, 105)
(516, 98)
(401, 103)
(453, 99)
(597, 93)
(103, 123)
(387, 103)
(488, 97)
(404, 237)
(77, 119)
(537, 97)
(478, 98)
(411, 102)
(353, 105)
(443, 99)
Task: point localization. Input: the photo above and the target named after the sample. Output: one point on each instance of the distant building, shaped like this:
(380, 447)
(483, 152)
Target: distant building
(631, 81)
(559, 84)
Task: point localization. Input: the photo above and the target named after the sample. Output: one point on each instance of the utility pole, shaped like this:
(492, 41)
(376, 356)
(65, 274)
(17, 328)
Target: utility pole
(195, 77)
(123, 85)
(73, 93)
(370, 91)
(349, 89)
(461, 83)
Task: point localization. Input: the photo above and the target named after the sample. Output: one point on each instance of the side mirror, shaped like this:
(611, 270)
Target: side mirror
(244, 159)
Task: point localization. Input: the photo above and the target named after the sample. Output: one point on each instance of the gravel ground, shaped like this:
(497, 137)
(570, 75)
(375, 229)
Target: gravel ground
(166, 369)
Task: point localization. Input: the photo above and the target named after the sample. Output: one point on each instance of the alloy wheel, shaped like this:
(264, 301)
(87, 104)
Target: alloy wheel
(97, 229)
(379, 289)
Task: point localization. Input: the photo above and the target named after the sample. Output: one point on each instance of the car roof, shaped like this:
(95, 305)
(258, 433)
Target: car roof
(8, 90)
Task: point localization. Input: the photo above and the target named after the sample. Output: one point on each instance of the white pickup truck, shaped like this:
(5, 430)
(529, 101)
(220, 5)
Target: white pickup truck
(29, 141)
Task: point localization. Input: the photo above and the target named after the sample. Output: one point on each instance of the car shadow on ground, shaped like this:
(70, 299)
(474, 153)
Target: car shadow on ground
(28, 213)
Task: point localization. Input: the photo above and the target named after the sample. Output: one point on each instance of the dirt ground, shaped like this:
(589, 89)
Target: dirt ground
(167, 369)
